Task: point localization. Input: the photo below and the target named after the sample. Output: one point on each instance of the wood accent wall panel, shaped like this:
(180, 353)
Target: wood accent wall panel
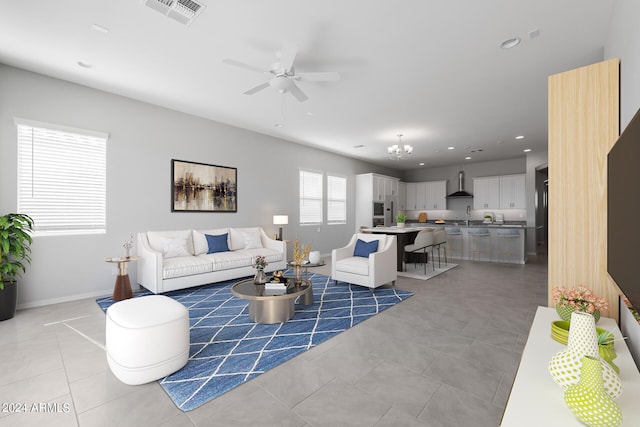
(583, 126)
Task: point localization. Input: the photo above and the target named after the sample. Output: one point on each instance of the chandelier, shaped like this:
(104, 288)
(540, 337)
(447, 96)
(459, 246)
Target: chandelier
(399, 151)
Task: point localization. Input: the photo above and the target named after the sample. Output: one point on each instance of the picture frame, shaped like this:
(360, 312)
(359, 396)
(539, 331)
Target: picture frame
(201, 187)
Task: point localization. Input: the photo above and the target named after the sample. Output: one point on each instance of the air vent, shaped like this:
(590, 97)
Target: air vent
(184, 11)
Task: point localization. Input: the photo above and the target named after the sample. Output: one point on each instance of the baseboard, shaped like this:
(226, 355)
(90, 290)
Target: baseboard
(76, 297)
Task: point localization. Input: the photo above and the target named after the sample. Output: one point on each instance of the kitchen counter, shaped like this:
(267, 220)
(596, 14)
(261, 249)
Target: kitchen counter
(459, 245)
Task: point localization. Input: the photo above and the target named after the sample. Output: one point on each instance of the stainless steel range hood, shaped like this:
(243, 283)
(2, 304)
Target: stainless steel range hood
(460, 194)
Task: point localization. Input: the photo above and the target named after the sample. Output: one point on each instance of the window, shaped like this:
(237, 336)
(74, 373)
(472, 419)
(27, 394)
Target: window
(310, 197)
(336, 199)
(62, 178)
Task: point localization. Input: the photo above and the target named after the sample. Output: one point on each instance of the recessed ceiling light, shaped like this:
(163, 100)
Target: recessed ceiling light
(510, 42)
(421, 164)
(309, 113)
(100, 28)
(534, 33)
(520, 137)
(85, 64)
(468, 158)
(450, 148)
(358, 146)
(526, 150)
(278, 125)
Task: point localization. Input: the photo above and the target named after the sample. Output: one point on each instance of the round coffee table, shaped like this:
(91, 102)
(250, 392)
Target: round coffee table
(272, 308)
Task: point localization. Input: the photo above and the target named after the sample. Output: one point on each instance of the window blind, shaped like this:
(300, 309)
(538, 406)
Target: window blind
(310, 197)
(336, 199)
(62, 178)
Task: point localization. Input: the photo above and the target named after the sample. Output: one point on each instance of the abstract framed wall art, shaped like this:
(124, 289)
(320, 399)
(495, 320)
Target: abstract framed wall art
(199, 187)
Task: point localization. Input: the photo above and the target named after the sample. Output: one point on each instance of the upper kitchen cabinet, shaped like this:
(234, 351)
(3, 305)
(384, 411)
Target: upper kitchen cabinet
(412, 193)
(486, 193)
(383, 186)
(436, 195)
(499, 192)
(425, 196)
(402, 195)
(512, 192)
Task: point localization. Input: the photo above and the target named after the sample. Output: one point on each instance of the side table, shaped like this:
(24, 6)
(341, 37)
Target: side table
(122, 288)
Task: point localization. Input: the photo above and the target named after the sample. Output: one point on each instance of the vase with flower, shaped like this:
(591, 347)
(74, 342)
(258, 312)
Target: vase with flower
(260, 264)
(578, 299)
(299, 255)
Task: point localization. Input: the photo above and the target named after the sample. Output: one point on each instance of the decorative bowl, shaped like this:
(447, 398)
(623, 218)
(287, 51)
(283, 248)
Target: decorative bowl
(560, 331)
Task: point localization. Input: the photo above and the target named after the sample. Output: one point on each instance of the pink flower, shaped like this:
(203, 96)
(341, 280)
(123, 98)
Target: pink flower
(580, 299)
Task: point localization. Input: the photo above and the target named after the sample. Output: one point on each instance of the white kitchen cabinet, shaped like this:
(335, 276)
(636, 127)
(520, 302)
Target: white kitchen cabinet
(372, 188)
(421, 196)
(402, 195)
(512, 192)
(486, 193)
(412, 193)
(436, 195)
(378, 188)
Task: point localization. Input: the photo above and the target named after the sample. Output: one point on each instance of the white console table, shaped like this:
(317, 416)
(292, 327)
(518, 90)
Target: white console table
(536, 400)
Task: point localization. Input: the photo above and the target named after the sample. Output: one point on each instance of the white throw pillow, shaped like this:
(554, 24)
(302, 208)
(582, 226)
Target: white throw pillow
(252, 240)
(176, 247)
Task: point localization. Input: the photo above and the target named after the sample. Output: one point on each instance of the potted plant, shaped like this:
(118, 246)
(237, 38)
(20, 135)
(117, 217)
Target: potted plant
(401, 219)
(15, 249)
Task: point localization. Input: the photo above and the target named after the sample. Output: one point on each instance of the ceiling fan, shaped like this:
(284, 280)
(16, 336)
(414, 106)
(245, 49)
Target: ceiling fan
(283, 74)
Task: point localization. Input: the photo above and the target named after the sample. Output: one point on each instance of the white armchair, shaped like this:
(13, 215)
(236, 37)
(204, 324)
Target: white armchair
(376, 270)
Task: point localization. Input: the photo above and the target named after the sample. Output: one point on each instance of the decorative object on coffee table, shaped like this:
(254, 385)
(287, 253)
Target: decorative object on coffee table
(260, 264)
(299, 256)
(314, 257)
(588, 399)
(565, 365)
(578, 299)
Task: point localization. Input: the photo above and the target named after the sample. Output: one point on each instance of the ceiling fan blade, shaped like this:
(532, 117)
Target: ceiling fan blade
(257, 88)
(288, 55)
(297, 93)
(245, 66)
(329, 76)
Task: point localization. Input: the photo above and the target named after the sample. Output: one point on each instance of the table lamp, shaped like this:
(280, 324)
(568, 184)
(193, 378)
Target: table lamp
(280, 220)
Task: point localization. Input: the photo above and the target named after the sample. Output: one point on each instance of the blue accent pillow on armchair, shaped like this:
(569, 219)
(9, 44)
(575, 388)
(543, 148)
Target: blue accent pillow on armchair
(217, 243)
(363, 248)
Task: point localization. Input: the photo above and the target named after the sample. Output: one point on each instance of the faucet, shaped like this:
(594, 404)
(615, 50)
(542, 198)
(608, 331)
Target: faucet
(468, 213)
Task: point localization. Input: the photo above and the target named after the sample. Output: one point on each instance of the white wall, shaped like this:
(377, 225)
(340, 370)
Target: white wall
(143, 140)
(624, 43)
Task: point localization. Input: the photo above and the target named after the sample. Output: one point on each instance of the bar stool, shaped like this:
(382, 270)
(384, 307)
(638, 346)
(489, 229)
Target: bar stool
(506, 249)
(422, 244)
(479, 237)
(440, 239)
(454, 234)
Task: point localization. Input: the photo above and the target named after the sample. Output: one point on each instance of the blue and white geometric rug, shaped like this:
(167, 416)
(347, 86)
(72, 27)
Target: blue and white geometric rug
(227, 349)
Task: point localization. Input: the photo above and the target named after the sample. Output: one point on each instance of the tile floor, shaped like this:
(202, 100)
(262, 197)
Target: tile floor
(445, 357)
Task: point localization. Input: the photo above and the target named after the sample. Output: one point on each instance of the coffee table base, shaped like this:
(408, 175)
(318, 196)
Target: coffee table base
(272, 310)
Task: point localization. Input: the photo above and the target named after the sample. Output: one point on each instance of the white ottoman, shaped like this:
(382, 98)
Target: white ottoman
(147, 338)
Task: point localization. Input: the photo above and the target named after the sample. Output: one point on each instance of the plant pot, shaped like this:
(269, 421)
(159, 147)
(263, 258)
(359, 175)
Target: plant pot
(401, 225)
(565, 313)
(8, 300)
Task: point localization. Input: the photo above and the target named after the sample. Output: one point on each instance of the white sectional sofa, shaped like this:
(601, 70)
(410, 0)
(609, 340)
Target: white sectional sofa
(171, 260)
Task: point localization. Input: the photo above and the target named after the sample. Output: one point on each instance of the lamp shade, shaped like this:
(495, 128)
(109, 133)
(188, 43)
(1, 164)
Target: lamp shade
(280, 219)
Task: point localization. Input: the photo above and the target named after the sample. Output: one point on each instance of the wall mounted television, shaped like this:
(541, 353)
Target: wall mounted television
(623, 223)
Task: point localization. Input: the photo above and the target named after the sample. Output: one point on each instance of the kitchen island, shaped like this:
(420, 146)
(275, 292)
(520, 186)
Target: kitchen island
(406, 235)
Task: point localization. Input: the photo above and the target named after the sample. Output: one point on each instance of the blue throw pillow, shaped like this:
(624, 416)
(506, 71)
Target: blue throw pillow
(217, 243)
(363, 248)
